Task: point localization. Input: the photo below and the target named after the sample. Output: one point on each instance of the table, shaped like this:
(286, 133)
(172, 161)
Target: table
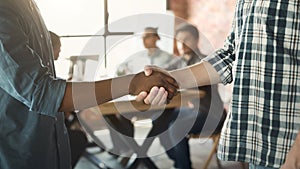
(180, 100)
(131, 106)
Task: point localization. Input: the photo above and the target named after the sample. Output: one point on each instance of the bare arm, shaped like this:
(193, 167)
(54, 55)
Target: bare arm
(200, 74)
(87, 94)
(203, 73)
(82, 95)
(195, 75)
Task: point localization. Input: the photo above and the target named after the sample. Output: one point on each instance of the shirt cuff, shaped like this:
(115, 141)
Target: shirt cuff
(48, 96)
(222, 65)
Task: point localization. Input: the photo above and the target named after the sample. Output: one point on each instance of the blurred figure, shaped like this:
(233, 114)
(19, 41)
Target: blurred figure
(205, 117)
(77, 138)
(153, 55)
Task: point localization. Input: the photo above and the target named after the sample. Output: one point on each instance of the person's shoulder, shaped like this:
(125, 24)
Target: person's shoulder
(13, 25)
(8, 4)
(8, 12)
(13, 8)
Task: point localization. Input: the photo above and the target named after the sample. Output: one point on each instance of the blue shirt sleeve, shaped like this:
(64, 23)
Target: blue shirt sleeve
(23, 76)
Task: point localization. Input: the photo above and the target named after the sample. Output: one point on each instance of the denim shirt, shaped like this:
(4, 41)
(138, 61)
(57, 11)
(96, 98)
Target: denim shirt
(32, 130)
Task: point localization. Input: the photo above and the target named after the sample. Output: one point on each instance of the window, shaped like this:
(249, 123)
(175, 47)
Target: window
(80, 24)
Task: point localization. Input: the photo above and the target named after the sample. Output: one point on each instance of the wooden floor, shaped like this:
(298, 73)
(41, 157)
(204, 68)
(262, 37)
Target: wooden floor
(200, 149)
(162, 160)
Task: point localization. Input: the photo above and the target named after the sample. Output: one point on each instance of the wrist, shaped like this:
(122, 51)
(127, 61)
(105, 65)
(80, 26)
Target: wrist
(121, 85)
(134, 83)
(126, 83)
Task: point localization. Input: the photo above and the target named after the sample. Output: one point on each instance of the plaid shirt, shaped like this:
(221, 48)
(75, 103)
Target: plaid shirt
(265, 110)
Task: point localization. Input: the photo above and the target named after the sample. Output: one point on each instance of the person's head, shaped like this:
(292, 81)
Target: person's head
(150, 36)
(187, 37)
(56, 44)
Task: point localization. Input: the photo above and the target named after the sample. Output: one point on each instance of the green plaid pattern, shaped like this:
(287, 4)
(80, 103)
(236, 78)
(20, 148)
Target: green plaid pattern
(264, 47)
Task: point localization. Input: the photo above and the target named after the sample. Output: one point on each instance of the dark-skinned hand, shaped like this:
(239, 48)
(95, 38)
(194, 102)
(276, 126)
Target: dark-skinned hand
(141, 82)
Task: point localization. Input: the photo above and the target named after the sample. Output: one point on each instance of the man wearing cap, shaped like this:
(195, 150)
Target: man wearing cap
(152, 56)
(136, 63)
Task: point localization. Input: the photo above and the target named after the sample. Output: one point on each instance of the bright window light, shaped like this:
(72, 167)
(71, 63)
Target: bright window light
(77, 21)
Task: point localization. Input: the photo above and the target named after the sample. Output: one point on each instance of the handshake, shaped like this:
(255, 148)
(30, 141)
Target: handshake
(154, 86)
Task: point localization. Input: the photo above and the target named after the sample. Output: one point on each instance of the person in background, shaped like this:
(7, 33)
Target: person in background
(77, 138)
(33, 134)
(153, 55)
(262, 127)
(204, 117)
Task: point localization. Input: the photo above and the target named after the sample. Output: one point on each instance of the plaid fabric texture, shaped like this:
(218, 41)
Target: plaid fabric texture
(264, 47)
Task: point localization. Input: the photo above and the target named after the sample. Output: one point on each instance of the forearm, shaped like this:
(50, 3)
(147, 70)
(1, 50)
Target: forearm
(196, 75)
(88, 94)
(82, 95)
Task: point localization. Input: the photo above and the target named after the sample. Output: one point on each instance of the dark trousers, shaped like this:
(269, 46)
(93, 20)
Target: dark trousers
(172, 127)
(78, 143)
(188, 121)
(77, 138)
(121, 127)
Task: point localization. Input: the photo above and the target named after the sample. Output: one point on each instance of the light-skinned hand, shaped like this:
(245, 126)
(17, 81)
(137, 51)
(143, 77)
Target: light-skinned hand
(157, 95)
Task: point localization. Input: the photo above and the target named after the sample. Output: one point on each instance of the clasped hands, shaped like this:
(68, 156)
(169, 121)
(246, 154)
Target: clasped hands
(153, 86)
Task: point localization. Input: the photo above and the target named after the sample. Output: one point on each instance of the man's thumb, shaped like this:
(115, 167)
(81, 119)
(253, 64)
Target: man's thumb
(148, 71)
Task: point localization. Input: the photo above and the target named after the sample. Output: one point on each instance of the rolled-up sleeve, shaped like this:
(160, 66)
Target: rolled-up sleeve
(48, 95)
(22, 74)
(222, 60)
